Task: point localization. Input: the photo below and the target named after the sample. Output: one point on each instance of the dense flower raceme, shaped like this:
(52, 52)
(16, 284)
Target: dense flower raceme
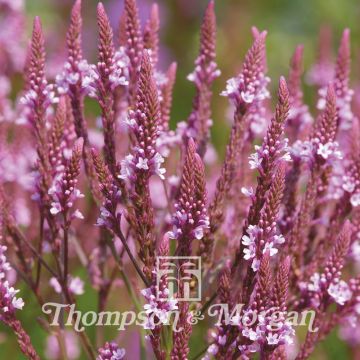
(250, 86)
(64, 191)
(87, 201)
(159, 305)
(88, 77)
(143, 122)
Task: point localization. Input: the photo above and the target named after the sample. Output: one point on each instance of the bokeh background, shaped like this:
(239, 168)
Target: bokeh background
(289, 23)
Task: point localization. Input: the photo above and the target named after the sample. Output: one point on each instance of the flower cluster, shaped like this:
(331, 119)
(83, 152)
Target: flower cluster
(111, 351)
(109, 214)
(283, 238)
(88, 76)
(143, 122)
(139, 162)
(344, 106)
(31, 98)
(274, 148)
(240, 91)
(329, 283)
(338, 290)
(269, 330)
(190, 220)
(206, 69)
(75, 285)
(199, 75)
(262, 238)
(9, 302)
(250, 86)
(159, 306)
(254, 236)
(64, 191)
(256, 158)
(308, 150)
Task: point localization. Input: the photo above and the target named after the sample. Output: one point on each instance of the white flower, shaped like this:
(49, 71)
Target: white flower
(270, 247)
(249, 253)
(355, 199)
(286, 157)
(250, 334)
(142, 164)
(11, 291)
(247, 191)
(174, 234)
(255, 265)
(150, 308)
(348, 184)
(54, 283)
(213, 349)
(253, 230)
(73, 78)
(340, 292)
(321, 104)
(118, 355)
(78, 194)
(279, 239)
(314, 285)
(355, 250)
(149, 324)
(255, 161)
(28, 98)
(329, 150)
(18, 303)
(247, 97)
(126, 167)
(302, 149)
(100, 222)
(76, 286)
(199, 232)
(232, 86)
(247, 240)
(272, 339)
(55, 208)
(147, 293)
(324, 151)
(222, 340)
(255, 347)
(130, 122)
(192, 76)
(77, 214)
(158, 160)
(172, 304)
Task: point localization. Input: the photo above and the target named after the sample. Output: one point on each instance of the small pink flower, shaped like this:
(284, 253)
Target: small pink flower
(340, 292)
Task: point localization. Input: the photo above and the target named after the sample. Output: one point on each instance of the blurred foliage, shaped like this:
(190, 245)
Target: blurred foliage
(289, 22)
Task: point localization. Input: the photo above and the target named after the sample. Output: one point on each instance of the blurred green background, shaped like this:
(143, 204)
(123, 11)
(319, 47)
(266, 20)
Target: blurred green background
(289, 23)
